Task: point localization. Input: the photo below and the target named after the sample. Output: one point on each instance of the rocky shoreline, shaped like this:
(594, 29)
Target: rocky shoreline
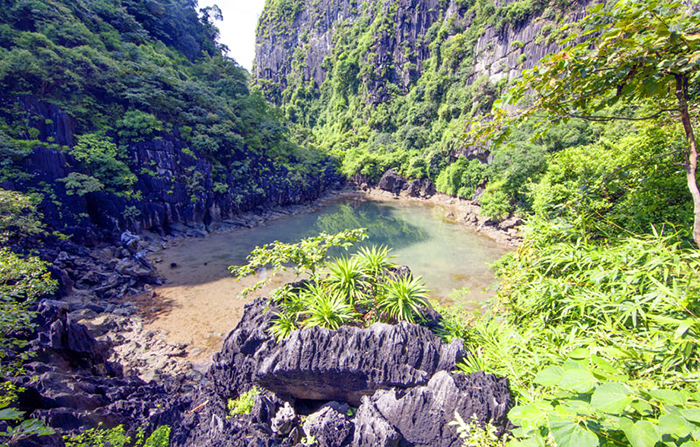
(96, 335)
(120, 322)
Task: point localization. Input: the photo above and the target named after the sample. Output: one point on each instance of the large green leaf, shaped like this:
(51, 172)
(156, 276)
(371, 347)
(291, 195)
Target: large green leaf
(570, 434)
(671, 397)
(9, 414)
(611, 398)
(528, 415)
(550, 376)
(578, 380)
(641, 433)
(671, 424)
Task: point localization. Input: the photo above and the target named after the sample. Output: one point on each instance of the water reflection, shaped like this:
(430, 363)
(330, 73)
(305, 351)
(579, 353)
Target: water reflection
(383, 226)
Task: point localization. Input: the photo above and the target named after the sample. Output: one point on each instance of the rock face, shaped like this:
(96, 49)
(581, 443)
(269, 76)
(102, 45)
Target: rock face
(360, 387)
(169, 197)
(69, 384)
(344, 365)
(398, 55)
(397, 377)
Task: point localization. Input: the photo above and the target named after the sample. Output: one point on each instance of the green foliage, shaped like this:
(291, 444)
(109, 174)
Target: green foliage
(592, 328)
(306, 256)
(402, 298)
(406, 114)
(18, 216)
(342, 291)
(375, 259)
(117, 437)
(102, 160)
(325, 307)
(22, 282)
(495, 202)
(345, 277)
(100, 437)
(17, 427)
(474, 435)
(138, 126)
(244, 403)
(461, 178)
(594, 404)
(129, 74)
(81, 184)
(625, 61)
(619, 180)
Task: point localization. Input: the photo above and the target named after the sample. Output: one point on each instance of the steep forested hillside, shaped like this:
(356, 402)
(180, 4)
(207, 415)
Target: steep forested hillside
(122, 114)
(393, 84)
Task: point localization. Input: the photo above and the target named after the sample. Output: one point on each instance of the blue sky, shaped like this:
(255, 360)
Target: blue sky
(238, 27)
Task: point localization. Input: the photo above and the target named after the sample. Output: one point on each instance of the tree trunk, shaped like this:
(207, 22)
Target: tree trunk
(691, 153)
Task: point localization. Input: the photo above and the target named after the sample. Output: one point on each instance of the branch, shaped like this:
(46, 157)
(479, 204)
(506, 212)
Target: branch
(614, 118)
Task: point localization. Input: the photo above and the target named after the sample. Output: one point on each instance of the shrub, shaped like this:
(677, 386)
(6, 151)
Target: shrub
(461, 178)
(81, 184)
(402, 298)
(325, 308)
(137, 126)
(244, 403)
(495, 202)
(101, 158)
(346, 276)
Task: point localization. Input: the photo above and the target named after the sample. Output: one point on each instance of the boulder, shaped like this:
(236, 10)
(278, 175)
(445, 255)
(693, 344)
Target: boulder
(231, 372)
(422, 414)
(427, 188)
(510, 223)
(329, 426)
(344, 365)
(414, 188)
(391, 181)
(371, 429)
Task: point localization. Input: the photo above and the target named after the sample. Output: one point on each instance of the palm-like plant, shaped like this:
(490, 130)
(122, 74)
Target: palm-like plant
(326, 308)
(346, 278)
(402, 298)
(282, 325)
(375, 259)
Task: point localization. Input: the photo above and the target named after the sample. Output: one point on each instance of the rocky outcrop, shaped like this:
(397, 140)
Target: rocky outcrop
(360, 387)
(174, 191)
(422, 414)
(344, 365)
(397, 185)
(69, 384)
(379, 386)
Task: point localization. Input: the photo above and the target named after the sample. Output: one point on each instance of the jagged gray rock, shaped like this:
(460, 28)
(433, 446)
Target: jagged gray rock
(371, 429)
(329, 427)
(422, 414)
(344, 365)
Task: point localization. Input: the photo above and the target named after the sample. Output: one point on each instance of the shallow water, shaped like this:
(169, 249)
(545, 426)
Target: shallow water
(198, 305)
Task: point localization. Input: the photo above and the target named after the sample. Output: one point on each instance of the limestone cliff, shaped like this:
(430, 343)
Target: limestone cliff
(296, 44)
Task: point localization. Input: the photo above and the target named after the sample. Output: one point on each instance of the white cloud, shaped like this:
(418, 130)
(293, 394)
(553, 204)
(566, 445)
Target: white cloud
(238, 27)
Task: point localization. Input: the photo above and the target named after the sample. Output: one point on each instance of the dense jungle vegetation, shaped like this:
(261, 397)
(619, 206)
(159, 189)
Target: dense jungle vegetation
(129, 72)
(596, 322)
(597, 313)
(124, 72)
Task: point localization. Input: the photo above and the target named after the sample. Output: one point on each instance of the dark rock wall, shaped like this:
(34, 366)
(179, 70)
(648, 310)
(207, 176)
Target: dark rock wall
(163, 197)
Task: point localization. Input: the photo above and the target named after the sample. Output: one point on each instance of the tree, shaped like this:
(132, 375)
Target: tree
(638, 56)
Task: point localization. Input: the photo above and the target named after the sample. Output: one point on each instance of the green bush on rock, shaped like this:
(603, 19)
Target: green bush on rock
(358, 290)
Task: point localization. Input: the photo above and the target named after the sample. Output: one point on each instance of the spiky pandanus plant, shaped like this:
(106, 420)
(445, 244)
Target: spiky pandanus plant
(326, 308)
(347, 278)
(402, 298)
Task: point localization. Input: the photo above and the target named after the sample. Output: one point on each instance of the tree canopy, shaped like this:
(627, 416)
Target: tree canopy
(631, 61)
